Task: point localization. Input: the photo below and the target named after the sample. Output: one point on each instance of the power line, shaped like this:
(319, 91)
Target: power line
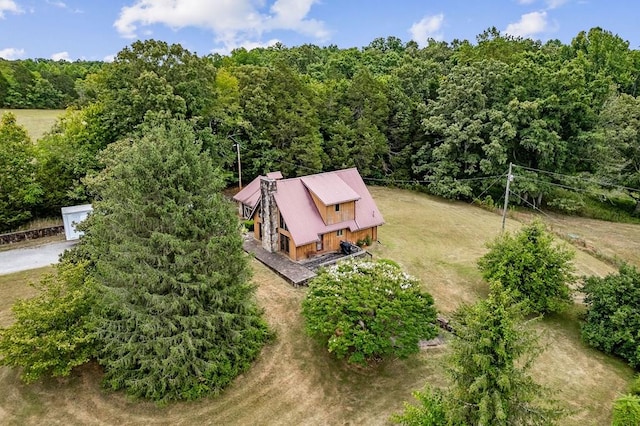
(597, 182)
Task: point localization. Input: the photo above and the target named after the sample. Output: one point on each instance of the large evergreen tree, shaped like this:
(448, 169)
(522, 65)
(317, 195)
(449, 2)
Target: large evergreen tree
(177, 319)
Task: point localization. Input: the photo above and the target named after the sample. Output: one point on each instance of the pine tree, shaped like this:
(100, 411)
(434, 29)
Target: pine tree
(491, 355)
(177, 317)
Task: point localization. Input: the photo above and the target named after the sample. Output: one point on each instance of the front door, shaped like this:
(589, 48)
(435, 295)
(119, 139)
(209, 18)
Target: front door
(284, 243)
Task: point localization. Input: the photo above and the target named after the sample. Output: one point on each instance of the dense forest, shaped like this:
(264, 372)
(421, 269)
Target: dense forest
(447, 118)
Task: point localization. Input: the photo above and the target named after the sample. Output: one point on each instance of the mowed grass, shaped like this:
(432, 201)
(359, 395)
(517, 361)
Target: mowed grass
(36, 121)
(295, 381)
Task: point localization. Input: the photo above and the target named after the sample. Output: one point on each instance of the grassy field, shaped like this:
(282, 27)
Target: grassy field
(296, 382)
(36, 121)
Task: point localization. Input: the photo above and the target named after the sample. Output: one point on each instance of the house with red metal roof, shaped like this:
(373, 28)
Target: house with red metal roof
(310, 215)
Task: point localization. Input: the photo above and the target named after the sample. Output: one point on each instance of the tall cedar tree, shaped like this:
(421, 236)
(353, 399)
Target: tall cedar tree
(490, 358)
(178, 318)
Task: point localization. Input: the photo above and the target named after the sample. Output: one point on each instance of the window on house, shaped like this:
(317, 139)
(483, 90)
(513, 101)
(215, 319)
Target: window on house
(319, 244)
(337, 207)
(283, 224)
(340, 232)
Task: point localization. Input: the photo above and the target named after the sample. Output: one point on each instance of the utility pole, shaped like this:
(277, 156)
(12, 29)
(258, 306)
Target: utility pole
(237, 146)
(239, 166)
(506, 196)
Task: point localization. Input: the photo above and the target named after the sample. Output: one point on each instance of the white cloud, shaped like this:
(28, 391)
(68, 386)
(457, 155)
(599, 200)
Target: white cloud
(526, 1)
(109, 58)
(428, 27)
(232, 21)
(60, 56)
(529, 24)
(57, 3)
(8, 6)
(11, 53)
(554, 4)
(247, 44)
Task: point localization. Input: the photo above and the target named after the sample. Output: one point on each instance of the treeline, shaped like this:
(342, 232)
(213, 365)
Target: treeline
(42, 83)
(448, 117)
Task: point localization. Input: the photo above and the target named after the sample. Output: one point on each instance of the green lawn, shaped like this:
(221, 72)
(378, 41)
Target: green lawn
(295, 381)
(36, 121)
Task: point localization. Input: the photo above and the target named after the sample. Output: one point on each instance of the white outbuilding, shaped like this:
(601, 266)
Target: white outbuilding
(73, 215)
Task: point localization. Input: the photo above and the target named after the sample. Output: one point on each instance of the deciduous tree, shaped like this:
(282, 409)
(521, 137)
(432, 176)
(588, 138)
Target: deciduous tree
(53, 332)
(528, 263)
(612, 321)
(18, 189)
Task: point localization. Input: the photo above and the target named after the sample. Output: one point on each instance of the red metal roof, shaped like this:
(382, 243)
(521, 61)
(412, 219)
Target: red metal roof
(299, 211)
(302, 217)
(250, 194)
(330, 188)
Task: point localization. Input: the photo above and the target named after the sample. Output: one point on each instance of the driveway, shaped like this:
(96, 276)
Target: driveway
(32, 257)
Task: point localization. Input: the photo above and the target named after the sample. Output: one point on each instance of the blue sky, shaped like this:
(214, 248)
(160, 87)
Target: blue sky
(98, 29)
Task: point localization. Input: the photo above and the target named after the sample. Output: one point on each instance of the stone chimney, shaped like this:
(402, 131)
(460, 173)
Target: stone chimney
(269, 211)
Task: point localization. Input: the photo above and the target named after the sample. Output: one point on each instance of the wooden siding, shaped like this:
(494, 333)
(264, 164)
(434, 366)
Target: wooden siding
(257, 223)
(322, 209)
(330, 215)
(303, 252)
(347, 212)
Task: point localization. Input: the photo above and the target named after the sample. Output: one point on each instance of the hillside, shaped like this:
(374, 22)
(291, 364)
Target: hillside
(296, 382)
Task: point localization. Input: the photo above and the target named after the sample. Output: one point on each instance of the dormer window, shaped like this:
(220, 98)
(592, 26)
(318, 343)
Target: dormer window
(337, 207)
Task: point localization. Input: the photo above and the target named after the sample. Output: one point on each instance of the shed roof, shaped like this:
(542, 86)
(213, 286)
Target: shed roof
(250, 194)
(76, 209)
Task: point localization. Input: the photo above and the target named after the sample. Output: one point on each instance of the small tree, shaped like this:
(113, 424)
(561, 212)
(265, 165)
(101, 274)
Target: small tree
(491, 353)
(430, 411)
(612, 320)
(532, 267)
(490, 358)
(178, 318)
(366, 310)
(53, 332)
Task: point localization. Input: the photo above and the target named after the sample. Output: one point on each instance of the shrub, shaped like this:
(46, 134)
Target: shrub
(532, 267)
(626, 411)
(430, 411)
(612, 320)
(367, 310)
(53, 332)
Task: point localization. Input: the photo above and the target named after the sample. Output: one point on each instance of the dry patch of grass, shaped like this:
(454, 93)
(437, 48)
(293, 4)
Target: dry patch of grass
(36, 121)
(16, 286)
(295, 381)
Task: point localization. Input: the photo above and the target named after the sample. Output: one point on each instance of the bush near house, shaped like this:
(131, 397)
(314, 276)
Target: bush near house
(368, 310)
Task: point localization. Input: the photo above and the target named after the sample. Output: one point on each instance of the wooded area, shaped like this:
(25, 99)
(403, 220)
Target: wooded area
(447, 118)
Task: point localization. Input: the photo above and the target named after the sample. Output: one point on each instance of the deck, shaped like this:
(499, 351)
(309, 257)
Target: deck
(293, 272)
